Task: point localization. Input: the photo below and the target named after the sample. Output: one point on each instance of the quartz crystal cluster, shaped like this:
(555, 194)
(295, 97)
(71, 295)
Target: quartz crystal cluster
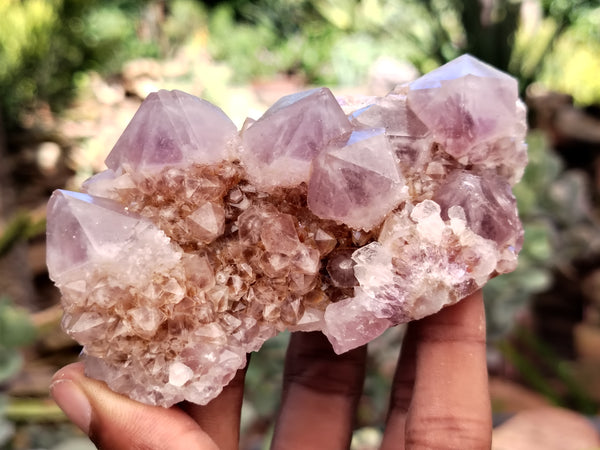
(348, 216)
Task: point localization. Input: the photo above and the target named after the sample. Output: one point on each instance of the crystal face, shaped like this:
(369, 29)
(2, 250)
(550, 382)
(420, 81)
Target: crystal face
(279, 147)
(178, 139)
(356, 180)
(470, 108)
(348, 216)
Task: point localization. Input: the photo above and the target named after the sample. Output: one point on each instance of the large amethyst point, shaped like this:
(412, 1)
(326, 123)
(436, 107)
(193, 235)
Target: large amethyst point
(278, 148)
(176, 129)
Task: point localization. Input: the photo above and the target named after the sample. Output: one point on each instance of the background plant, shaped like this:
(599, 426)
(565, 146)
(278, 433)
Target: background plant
(45, 45)
(16, 331)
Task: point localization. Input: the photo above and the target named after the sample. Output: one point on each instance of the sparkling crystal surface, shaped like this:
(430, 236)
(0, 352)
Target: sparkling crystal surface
(198, 243)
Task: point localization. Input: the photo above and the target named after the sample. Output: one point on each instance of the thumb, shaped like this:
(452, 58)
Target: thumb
(113, 421)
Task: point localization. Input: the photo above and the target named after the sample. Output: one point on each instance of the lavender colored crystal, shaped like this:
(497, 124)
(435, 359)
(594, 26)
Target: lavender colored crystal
(472, 109)
(356, 180)
(392, 113)
(89, 228)
(198, 243)
(279, 147)
(181, 136)
(489, 206)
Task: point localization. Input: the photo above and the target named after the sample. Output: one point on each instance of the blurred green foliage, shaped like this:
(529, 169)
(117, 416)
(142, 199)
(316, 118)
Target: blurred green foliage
(574, 65)
(20, 227)
(264, 377)
(16, 330)
(333, 41)
(26, 29)
(45, 44)
(16, 327)
(7, 428)
(560, 46)
(337, 41)
(545, 371)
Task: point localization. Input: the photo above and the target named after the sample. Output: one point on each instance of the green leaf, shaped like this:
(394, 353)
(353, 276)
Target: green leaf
(10, 363)
(537, 244)
(14, 232)
(340, 13)
(33, 410)
(15, 327)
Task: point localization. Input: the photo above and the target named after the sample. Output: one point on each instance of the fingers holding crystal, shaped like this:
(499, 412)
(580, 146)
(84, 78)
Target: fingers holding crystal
(402, 392)
(115, 422)
(201, 242)
(320, 394)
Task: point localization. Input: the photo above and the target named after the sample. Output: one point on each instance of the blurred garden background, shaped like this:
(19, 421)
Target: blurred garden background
(73, 72)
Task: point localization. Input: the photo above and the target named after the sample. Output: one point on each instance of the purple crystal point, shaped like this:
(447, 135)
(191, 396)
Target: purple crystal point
(86, 232)
(356, 180)
(465, 103)
(349, 324)
(77, 229)
(392, 113)
(458, 68)
(489, 205)
(408, 135)
(173, 128)
(279, 147)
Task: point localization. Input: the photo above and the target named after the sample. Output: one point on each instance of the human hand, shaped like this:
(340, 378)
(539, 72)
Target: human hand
(439, 398)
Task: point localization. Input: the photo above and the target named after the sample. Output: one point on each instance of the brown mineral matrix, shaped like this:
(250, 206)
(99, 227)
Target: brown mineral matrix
(199, 242)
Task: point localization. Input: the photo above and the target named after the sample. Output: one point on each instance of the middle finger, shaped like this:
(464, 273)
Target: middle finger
(320, 394)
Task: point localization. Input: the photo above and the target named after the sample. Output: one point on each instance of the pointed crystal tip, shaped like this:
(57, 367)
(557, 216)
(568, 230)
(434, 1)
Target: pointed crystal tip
(459, 68)
(172, 128)
(449, 101)
(279, 147)
(78, 226)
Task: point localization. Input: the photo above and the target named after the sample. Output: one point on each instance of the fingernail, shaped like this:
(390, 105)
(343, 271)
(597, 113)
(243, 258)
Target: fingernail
(71, 399)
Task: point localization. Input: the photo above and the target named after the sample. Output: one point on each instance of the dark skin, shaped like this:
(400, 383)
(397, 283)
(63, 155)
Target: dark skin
(439, 397)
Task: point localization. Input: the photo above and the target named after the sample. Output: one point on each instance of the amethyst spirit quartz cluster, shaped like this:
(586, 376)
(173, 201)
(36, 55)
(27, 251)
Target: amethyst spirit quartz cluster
(199, 242)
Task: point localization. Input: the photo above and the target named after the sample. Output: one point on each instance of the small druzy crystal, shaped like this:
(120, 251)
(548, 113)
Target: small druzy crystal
(348, 216)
